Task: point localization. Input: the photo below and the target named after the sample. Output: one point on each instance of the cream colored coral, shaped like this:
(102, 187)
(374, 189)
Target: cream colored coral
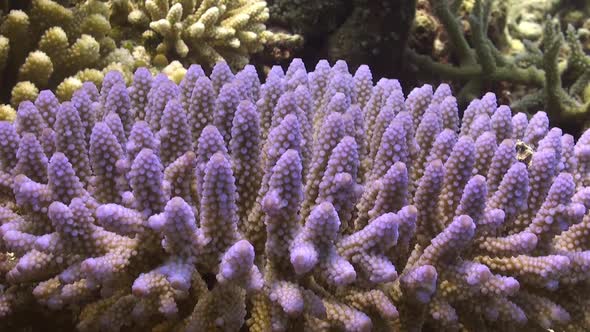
(207, 31)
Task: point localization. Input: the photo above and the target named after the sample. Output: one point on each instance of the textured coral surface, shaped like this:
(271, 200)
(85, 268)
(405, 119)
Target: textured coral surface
(60, 44)
(316, 201)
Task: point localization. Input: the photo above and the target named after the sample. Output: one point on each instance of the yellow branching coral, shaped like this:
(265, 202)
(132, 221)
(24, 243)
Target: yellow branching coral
(7, 113)
(50, 45)
(204, 31)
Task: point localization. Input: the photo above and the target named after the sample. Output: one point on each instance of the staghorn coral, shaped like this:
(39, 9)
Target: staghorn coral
(315, 201)
(49, 45)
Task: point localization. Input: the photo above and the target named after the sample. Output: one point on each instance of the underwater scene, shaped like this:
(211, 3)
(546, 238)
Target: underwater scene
(294, 165)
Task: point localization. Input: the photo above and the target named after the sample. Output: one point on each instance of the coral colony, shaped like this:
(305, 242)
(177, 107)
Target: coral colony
(314, 201)
(55, 46)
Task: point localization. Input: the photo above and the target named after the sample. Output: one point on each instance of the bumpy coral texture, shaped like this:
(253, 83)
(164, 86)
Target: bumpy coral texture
(316, 201)
(47, 45)
(204, 31)
(60, 44)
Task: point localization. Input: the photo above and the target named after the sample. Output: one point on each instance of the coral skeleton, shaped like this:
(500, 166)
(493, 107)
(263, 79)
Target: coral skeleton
(313, 201)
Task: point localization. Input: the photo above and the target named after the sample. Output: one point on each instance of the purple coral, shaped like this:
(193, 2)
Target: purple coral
(313, 201)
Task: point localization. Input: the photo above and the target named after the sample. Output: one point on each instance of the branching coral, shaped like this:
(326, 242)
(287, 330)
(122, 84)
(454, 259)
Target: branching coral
(48, 45)
(314, 201)
(202, 31)
(478, 62)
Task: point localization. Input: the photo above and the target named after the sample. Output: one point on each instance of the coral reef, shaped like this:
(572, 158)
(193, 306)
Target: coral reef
(314, 201)
(555, 83)
(49, 45)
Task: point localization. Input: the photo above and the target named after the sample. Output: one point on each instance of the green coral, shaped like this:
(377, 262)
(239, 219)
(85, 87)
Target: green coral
(557, 82)
(56, 44)
(568, 102)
